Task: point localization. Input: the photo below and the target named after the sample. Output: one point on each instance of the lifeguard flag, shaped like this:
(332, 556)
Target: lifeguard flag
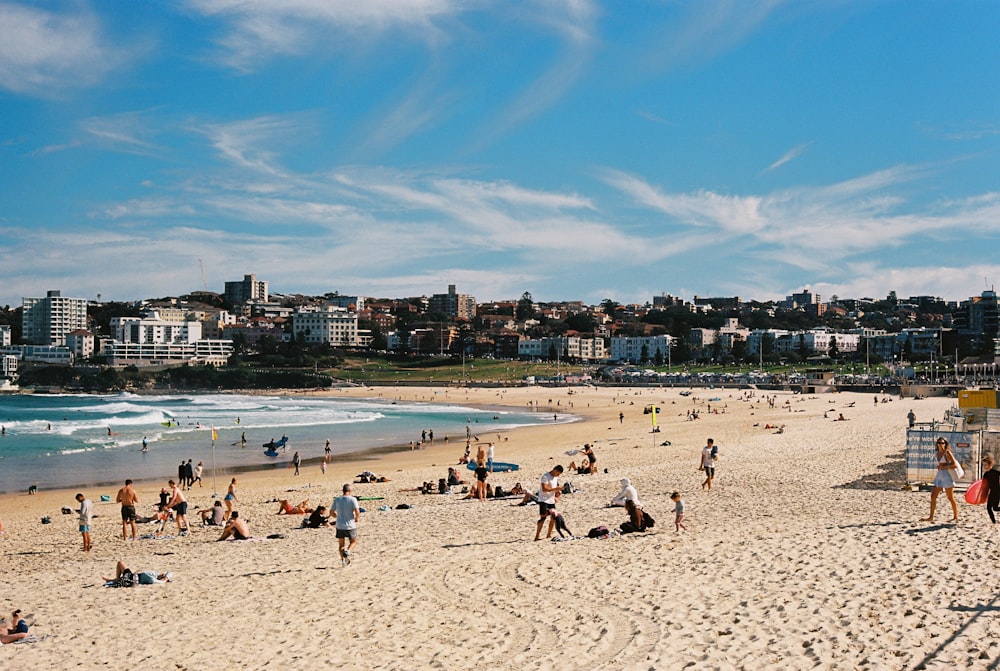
(215, 436)
(653, 408)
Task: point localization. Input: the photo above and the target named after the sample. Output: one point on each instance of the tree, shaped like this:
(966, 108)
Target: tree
(834, 350)
(525, 307)
(611, 308)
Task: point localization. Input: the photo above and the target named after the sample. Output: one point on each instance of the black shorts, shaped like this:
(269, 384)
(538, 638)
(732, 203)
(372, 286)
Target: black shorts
(128, 514)
(710, 471)
(181, 508)
(545, 509)
(350, 534)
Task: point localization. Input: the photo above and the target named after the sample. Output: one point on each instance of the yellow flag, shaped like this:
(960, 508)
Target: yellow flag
(215, 436)
(653, 408)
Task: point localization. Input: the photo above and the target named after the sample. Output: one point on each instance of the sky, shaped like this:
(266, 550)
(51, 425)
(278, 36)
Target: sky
(574, 149)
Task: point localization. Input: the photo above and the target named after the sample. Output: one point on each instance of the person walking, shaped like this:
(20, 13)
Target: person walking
(944, 481)
(709, 457)
(230, 497)
(198, 470)
(296, 460)
(679, 508)
(179, 505)
(128, 499)
(347, 513)
(992, 477)
(86, 513)
(547, 501)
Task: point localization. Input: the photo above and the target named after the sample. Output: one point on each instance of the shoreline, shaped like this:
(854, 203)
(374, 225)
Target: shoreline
(357, 449)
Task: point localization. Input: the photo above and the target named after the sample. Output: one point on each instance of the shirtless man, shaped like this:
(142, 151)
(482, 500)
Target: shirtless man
(180, 507)
(236, 528)
(128, 498)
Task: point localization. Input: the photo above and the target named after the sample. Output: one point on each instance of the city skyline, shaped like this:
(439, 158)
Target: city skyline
(576, 149)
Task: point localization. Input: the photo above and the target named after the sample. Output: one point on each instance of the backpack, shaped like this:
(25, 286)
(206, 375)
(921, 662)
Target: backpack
(568, 488)
(598, 532)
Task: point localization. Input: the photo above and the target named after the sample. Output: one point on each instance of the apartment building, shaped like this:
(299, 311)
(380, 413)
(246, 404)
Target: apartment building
(47, 321)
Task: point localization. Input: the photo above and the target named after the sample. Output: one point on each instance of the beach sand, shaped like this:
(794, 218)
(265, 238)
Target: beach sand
(807, 553)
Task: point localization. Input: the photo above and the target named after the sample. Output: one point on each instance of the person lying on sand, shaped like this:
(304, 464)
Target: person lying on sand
(124, 575)
(286, 508)
(236, 529)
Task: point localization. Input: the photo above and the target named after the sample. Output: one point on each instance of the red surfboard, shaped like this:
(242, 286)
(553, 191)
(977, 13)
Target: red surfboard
(977, 493)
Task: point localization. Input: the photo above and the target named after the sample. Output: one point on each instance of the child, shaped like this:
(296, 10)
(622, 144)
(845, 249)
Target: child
(678, 512)
(561, 525)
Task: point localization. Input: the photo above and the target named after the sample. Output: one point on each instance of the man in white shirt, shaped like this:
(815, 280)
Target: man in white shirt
(86, 512)
(547, 501)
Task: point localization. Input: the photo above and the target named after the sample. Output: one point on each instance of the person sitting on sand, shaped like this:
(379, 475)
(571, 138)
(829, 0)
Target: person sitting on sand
(840, 418)
(517, 490)
(236, 529)
(453, 479)
(140, 578)
(582, 469)
(628, 493)
(286, 508)
(214, 516)
(317, 519)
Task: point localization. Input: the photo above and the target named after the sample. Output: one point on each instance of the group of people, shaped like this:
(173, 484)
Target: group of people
(188, 473)
(949, 471)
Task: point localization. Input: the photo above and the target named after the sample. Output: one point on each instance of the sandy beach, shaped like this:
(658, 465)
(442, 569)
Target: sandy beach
(807, 553)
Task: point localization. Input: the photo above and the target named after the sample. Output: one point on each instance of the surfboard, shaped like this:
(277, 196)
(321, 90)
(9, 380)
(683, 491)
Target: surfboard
(270, 453)
(498, 466)
(977, 493)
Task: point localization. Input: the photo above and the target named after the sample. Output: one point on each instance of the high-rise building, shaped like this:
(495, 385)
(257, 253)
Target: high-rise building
(247, 290)
(455, 305)
(47, 321)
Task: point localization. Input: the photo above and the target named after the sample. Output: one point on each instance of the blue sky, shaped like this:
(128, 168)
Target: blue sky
(576, 149)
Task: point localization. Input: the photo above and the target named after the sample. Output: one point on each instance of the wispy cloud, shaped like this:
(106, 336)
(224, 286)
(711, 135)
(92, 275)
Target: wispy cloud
(817, 228)
(575, 22)
(973, 130)
(703, 30)
(788, 156)
(256, 30)
(45, 53)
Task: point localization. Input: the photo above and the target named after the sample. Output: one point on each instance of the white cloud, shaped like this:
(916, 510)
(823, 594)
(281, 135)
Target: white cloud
(256, 30)
(43, 53)
(818, 229)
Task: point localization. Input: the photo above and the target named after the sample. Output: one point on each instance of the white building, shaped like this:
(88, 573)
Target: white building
(8, 366)
(47, 321)
(151, 329)
(4, 335)
(205, 352)
(328, 324)
(80, 343)
(640, 349)
(820, 341)
(563, 347)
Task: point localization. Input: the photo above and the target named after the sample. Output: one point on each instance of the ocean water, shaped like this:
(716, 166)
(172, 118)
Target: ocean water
(63, 440)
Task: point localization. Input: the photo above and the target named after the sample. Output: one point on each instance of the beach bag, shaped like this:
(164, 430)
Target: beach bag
(568, 488)
(648, 520)
(958, 472)
(598, 532)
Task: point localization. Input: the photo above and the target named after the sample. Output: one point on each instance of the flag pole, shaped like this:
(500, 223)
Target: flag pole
(652, 407)
(215, 489)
